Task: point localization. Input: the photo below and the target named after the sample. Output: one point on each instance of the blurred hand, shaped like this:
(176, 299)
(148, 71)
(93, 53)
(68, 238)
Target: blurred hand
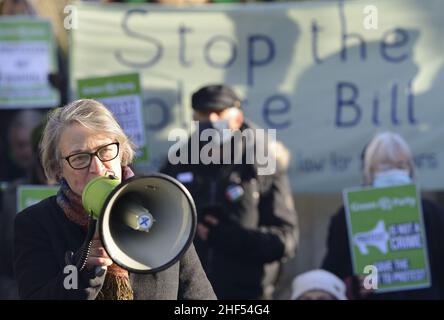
(202, 228)
(355, 287)
(363, 292)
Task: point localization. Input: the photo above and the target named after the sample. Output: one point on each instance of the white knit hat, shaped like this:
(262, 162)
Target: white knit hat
(318, 280)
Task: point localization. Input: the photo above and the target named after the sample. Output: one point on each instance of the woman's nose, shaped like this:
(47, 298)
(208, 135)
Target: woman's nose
(96, 165)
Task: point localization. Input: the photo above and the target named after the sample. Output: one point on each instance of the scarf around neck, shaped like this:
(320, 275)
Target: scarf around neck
(116, 285)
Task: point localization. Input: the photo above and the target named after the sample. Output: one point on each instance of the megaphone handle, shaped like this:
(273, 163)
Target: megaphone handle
(86, 246)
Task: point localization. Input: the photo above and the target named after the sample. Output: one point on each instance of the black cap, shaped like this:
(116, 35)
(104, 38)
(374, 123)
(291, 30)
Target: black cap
(214, 98)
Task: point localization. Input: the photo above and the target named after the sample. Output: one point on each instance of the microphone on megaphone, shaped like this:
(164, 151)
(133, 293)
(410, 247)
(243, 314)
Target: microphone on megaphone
(145, 223)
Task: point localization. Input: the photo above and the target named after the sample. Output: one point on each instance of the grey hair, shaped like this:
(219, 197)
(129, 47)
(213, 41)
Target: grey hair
(90, 114)
(387, 150)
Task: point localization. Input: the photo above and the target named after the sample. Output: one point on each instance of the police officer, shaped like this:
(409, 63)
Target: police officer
(247, 224)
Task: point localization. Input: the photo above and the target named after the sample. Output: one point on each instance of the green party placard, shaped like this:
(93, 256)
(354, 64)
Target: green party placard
(27, 58)
(386, 231)
(121, 94)
(28, 195)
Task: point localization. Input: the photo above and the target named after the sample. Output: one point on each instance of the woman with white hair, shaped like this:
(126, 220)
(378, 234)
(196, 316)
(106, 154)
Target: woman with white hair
(80, 142)
(387, 161)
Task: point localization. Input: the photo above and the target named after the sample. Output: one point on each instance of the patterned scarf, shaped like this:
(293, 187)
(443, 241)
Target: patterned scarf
(116, 285)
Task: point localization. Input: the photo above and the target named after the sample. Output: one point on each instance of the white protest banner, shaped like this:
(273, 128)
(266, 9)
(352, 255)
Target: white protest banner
(326, 75)
(27, 58)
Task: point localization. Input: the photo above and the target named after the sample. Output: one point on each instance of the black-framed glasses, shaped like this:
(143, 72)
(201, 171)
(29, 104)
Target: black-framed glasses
(83, 160)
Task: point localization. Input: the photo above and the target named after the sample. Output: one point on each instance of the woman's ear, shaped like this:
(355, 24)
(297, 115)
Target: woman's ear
(58, 175)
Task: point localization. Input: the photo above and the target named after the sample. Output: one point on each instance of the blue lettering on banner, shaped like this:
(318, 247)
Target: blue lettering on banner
(310, 165)
(339, 163)
(254, 61)
(349, 110)
(410, 104)
(232, 55)
(375, 114)
(349, 102)
(314, 42)
(182, 46)
(346, 36)
(426, 160)
(277, 105)
(335, 162)
(401, 37)
(142, 36)
(391, 40)
(394, 104)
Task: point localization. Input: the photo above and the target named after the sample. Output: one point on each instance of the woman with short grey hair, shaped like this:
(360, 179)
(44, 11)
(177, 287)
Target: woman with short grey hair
(387, 153)
(90, 114)
(80, 142)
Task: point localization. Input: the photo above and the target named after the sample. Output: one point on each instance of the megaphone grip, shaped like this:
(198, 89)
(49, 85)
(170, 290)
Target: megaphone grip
(84, 250)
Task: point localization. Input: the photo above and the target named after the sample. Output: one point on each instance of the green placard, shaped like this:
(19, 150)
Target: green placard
(27, 57)
(121, 94)
(27, 195)
(106, 87)
(386, 231)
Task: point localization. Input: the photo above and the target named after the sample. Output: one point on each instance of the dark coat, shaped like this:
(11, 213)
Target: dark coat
(42, 237)
(338, 257)
(255, 233)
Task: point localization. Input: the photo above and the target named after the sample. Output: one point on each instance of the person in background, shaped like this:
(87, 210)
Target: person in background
(318, 285)
(16, 7)
(20, 155)
(8, 211)
(247, 223)
(387, 161)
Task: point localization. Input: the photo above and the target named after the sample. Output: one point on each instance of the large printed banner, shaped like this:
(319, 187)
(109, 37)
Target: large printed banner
(387, 236)
(326, 75)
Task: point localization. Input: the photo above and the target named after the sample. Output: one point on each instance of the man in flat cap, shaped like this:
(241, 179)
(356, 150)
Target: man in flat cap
(247, 224)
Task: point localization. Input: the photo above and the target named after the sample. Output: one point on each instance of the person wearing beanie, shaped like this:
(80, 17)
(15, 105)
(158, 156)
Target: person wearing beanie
(318, 285)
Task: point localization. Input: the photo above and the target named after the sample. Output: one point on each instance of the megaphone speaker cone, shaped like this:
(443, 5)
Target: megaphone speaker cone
(147, 223)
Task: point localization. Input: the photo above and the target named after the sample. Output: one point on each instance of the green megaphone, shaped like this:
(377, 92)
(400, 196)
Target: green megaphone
(96, 192)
